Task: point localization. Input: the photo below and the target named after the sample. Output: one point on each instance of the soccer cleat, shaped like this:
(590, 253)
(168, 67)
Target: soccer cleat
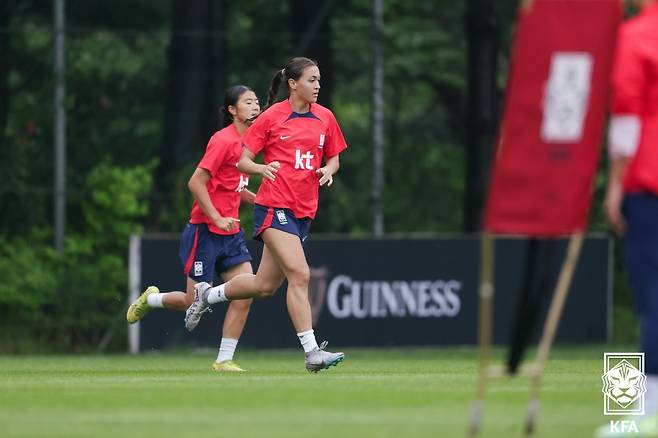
(199, 306)
(318, 359)
(227, 366)
(140, 307)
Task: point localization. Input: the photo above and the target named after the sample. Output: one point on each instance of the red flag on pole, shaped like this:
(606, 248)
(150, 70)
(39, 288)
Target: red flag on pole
(551, 130)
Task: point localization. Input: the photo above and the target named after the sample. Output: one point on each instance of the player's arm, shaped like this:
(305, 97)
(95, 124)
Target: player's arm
(197, 186)
(615, 194)
(247, 196)
(330, 168)
(629, 81)
(248, 165)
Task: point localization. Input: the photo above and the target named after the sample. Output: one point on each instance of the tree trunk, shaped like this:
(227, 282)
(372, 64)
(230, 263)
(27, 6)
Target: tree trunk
(192, 93)
(483, 33)
(311, 33)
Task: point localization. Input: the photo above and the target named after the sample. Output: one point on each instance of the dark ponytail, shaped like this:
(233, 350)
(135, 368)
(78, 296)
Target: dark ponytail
(231, 97)
(274, 88)
(293, 70)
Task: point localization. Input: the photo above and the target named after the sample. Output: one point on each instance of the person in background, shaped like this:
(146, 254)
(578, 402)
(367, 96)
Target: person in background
(296, 136)
(631, 202)
(213, 242)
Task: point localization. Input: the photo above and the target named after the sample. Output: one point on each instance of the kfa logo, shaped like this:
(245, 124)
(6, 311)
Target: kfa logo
(303, 161)
(624, 384)
(281, 217)
(198, 268)
(242, 184)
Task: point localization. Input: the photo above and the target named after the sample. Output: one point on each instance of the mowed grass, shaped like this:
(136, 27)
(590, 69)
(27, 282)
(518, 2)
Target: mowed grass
(374, 393)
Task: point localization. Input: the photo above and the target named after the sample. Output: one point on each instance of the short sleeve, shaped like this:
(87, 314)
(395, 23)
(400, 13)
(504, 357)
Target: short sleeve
(256, 135)
(335, 142)
(629, 78)
(214, 156)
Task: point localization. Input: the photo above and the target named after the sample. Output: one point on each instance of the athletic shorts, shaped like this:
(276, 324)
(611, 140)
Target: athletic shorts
(281, 219)
(204, 253)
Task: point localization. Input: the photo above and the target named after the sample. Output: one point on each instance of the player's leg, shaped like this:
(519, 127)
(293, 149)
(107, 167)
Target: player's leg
(641, 257)
(197, 255)
(287, 251)
(265, 283)
(234, 322)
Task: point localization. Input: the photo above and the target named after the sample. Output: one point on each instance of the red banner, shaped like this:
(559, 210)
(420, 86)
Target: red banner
(551, 131)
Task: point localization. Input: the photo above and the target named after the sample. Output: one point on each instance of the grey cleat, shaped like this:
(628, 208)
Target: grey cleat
(319, 359)
(199, 306)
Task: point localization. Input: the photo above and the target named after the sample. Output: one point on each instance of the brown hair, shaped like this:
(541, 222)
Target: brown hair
(293, 70)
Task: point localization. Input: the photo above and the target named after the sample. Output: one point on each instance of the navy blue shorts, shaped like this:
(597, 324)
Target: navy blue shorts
(204, 253)
(281, 219)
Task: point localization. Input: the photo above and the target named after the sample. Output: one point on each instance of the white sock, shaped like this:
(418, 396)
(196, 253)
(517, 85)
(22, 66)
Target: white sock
(308, 341)
(227, 349)
(216, 294)
(651, 397)
(155, 300)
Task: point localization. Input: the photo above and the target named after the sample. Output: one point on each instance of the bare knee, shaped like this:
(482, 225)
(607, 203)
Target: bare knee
(267, 289)
(299, 276)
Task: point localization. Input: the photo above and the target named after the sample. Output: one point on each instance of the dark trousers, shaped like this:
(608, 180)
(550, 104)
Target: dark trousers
(641, 257)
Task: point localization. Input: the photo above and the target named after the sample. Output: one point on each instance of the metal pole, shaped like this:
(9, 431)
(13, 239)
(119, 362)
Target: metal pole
(134, 286)
(60, 123)
(377, 117)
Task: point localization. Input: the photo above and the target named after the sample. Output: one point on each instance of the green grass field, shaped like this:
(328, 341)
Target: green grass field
(374, 393)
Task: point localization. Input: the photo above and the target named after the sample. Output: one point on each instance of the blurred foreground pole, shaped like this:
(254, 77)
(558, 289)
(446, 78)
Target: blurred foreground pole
(377, 116)
(60, 123)
(483, 35)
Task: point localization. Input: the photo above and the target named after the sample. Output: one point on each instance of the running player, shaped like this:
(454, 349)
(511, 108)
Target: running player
(295, 136)
(212, 242)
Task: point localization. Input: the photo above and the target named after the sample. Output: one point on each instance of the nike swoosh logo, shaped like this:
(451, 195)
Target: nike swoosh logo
(283, 137)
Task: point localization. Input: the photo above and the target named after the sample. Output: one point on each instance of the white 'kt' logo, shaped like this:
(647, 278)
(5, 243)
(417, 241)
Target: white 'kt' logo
(303, 161)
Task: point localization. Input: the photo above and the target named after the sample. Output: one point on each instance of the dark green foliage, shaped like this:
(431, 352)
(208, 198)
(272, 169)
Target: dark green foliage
(69, 300)
(118, 69)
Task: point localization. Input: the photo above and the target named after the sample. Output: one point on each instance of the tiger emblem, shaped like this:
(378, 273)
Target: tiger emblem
(624, 384)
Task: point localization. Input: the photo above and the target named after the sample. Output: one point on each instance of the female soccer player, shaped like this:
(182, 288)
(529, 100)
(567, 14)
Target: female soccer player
(294, 135)
(212, 240)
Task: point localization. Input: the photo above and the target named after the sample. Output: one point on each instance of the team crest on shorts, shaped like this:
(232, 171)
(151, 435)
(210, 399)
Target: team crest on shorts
(198, 268)
(281, 217)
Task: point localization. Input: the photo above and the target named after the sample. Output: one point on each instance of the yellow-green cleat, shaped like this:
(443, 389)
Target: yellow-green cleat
(227, 366)
(140, 307)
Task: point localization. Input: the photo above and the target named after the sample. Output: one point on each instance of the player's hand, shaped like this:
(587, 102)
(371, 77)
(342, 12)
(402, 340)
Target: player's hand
(269, 170)
(612, 207)
(325, 176)
(227, 223)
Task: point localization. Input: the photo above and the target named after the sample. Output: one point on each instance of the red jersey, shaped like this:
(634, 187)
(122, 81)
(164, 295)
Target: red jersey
(298, 142)
(635, 92)
(226, 182)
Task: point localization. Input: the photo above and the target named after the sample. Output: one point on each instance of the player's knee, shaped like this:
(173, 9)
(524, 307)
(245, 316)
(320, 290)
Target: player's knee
(267, 289)
(299, 276)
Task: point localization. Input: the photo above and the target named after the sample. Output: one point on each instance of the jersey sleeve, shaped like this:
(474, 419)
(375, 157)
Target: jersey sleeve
(214, 156)
(256, 135)
(629, 76)
(335, 142)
